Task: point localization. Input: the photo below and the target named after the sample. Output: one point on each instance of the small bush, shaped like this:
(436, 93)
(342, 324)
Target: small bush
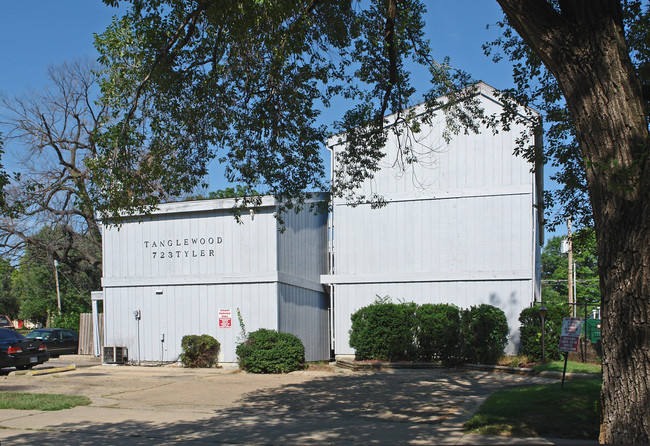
(484, 334)
(438, 332)
(199, 351)
(384, 331)
(269, 351)
(531, 332)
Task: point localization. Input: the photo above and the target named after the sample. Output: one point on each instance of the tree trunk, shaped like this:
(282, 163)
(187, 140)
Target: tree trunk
(583, 46)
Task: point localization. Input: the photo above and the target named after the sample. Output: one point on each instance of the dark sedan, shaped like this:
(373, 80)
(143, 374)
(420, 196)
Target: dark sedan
(20, 352)
(59, 341)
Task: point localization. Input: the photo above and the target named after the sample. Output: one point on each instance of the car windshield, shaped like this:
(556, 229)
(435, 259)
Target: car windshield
(4, 320)
(38, 334)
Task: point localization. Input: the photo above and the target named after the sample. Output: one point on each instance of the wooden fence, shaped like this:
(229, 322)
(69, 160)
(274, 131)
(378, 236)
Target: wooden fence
(86, 333)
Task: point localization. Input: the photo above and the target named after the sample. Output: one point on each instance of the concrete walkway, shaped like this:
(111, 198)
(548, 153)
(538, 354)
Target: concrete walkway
(170, 405)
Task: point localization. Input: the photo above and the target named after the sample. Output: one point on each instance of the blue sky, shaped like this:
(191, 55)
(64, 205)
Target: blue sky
(40, 33)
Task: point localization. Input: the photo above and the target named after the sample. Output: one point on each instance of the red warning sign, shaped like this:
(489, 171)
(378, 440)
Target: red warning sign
(225, 318)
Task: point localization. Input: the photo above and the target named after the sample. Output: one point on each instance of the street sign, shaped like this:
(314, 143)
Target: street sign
(570, 336)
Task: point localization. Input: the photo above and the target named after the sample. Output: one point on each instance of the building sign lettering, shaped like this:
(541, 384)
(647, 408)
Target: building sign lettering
(181, 248)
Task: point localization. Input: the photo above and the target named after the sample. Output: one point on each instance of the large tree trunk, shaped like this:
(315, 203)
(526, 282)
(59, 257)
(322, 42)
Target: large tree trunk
(583, 46)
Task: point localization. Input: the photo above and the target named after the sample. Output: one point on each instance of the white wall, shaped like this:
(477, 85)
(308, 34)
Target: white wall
(189, 261)
(206, 245)
(460, 226)
(184, 310)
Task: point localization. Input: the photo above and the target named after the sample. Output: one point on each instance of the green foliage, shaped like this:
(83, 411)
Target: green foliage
(536, 87)
(384, 331)
(238, 191)
(555, 269)
(33, 283)
(243, 335)
(199, 351)
(438, 332)
(571, 367)
(484, 334)
(34, 286)
(269, 351)
(389, 332)
(9, 303)
(70, 321)
(531, 331)
(244, 82)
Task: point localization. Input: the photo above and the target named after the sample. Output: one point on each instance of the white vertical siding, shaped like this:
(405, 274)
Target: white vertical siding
(489, 234)
(304, 313)
(186, 262)
(473, 162)
(302, 247)
(190, 244)
(457, 228)
(184, 310)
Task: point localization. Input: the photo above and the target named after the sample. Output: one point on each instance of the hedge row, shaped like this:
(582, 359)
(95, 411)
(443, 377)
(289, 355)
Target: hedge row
(406, 331)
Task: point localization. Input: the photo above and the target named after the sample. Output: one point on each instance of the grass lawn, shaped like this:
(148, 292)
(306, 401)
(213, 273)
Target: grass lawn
(554, 366)
(40, 401)
(544, 410)
(571, 367)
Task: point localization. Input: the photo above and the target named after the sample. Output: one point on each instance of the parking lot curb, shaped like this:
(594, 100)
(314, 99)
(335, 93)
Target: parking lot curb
(49, 371)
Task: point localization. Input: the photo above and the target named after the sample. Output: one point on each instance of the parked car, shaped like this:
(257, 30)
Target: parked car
(59, 341)
(20, 352)
(5, 322)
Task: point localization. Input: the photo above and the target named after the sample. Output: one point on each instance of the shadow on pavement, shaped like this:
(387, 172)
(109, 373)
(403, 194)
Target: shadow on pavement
(380, 408)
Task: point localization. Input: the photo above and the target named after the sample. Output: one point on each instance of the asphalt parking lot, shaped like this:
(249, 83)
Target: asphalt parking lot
(170, 405)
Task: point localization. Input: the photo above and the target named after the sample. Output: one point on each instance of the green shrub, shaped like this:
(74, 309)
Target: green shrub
(484, 334)
(69, 321)
(389, 332)
(199, 351)
(384, 331)
(531, 332)
(269, 351)
(438, 332)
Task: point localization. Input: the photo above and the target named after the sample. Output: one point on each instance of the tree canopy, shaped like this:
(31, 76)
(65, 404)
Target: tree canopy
(33, 283)
(51, 135)
(245, 83)
(555, 269)
(537, 87)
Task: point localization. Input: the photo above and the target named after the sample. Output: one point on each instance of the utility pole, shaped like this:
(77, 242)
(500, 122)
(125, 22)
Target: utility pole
(56, 280)
(570, 246)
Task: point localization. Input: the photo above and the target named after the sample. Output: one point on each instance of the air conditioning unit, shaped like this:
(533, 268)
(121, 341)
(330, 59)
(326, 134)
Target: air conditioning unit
(115, 355)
